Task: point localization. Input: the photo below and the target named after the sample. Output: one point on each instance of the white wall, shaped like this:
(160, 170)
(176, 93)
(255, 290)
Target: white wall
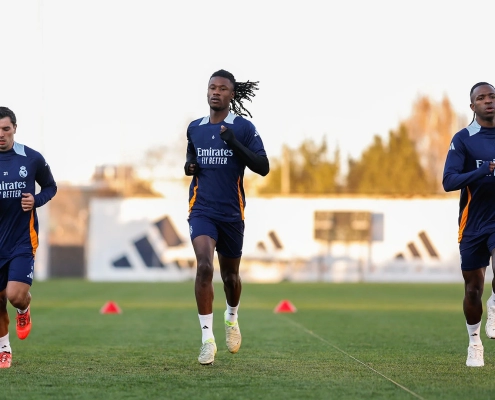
(116, 224)
(41, 261)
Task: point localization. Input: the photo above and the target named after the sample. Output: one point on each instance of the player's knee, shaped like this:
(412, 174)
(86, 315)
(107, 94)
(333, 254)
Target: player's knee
(204, 270)
(231, 279)
(474, 292)
(18, 298)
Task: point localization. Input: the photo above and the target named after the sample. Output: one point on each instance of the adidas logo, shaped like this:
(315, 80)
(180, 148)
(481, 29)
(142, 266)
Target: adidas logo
(150, 256)
(204, 327)
(452, 146)
(414, 250)
(474, 334)
(30, 275)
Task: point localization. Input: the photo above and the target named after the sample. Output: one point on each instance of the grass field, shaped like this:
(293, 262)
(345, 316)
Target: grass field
(346, 341)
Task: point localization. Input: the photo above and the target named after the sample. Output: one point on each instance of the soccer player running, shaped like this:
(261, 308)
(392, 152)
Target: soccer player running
(219, 147)
(469, 168)
(21, 168)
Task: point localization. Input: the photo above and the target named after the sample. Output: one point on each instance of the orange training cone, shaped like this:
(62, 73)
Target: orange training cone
(285, 306)
(110, 308)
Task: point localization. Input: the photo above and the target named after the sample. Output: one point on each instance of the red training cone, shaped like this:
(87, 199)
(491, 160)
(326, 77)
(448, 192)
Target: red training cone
(110, 308)
(285, 306)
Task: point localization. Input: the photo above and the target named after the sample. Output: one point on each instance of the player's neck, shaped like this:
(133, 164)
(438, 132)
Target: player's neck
(486, 123)
(218, 116)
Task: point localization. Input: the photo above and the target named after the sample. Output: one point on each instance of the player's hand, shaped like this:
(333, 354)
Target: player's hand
(190, 168)
(491, 166)
(226, 134)
(27, 202)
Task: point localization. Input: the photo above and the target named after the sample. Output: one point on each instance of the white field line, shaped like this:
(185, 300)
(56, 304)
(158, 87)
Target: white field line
(354, 358)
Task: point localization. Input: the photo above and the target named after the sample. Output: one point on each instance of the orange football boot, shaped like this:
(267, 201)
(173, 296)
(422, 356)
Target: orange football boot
(5, 359)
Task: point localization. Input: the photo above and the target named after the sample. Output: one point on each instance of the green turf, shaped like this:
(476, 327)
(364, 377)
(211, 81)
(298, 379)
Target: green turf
(346, 341)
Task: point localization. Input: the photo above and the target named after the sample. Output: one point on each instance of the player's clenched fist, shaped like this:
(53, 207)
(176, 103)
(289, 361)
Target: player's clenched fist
(226, 134)
(27, 202)
(191, 168)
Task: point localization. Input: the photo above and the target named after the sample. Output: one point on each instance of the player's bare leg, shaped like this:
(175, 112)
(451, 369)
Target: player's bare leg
(473, 290)
(490, 307)
(204, 247)
(19, 296)
(232, 286)
(473, 310)
(4, 315)
(5, 350)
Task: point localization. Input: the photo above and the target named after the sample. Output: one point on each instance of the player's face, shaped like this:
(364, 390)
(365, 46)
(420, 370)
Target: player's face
(7, 130)
(483, 102)
(220, 92)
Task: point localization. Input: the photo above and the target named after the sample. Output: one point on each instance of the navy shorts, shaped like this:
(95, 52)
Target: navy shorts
(476, 251)
(228, 235)
(19, 268)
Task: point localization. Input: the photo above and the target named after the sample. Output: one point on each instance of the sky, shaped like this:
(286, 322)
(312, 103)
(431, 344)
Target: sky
(98, 82)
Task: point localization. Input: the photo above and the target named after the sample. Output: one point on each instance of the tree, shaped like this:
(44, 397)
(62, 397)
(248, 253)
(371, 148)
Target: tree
(307, 170)
(431, 127)
(366, 175)
(393, 168)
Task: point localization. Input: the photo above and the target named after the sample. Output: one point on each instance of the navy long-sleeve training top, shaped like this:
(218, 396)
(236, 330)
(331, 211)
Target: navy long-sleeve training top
(218, 189)
(20, 169)
(467, 169)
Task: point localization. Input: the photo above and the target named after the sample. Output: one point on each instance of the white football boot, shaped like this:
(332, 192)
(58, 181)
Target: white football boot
(490, 320)
(475, 356)
(207, 352)
(232, 335)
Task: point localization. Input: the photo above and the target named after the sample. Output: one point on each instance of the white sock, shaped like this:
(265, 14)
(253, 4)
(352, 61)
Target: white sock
(231, 314)
(23, 311)
(492, 299)
(206, 322)
(474, 333)
(5, 344)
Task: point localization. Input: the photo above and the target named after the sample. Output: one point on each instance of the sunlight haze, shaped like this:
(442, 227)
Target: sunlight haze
(101, 81)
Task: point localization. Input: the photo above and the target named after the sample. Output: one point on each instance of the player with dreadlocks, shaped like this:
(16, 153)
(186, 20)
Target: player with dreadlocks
(469, 168)
(219, 148)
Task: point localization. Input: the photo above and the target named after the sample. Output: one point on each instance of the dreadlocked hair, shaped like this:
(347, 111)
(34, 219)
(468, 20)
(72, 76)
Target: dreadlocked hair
(471, 94)
(242, 91)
